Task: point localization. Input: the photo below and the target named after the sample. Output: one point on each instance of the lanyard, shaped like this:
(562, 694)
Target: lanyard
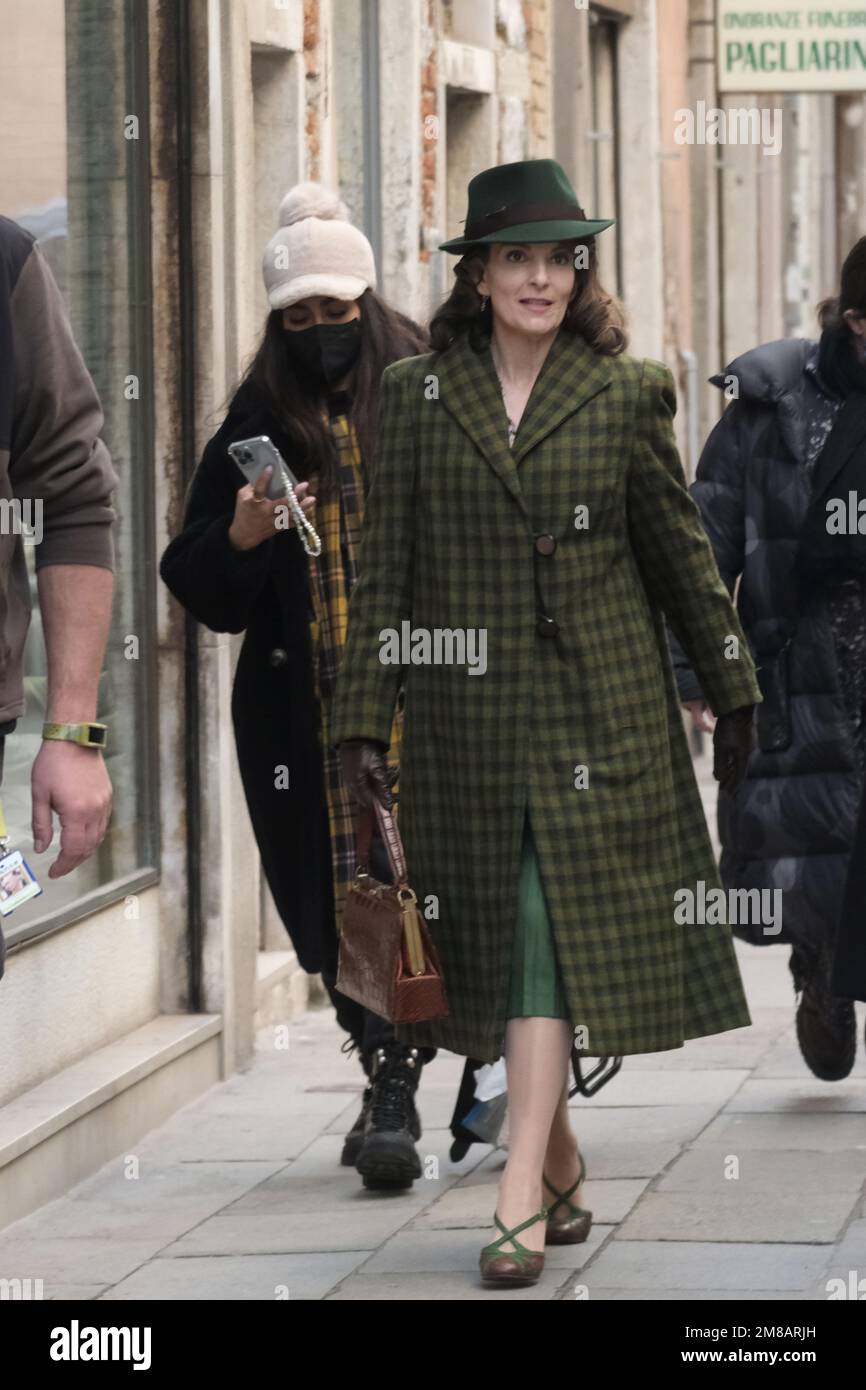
(4, 834)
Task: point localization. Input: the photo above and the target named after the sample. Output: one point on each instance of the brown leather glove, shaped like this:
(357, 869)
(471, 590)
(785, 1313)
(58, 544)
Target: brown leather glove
(733, 741)
(365, 770)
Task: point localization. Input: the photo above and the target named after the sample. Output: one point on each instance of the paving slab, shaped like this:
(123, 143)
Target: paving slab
(729, 1212)
(802, 1171)
(451, 1287)
(161, 1203)
(691, 1086)
(73, 1293)
(255, 1133)
(723, 1052)
(637, 1142)
(799, 1096)
(827, 1133)
(241, 1195)
(471, 1205)
(357, 1225)
(236, 1277)
(690, 1266)
(852, 1247)
(699, 1295)
(414, 1252)
(75, 1259)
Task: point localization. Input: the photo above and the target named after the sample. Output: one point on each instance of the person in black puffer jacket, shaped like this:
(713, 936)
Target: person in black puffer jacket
(792, 440)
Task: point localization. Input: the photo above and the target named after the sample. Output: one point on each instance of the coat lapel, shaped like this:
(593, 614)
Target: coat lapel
(847, 435)
(469, 389)
(572, 374)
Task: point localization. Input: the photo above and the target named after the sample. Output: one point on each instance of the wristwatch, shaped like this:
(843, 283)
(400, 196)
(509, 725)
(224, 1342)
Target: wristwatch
(85, 735)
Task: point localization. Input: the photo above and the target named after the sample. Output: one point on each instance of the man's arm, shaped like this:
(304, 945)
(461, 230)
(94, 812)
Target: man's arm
(75, 602)
(59, 462)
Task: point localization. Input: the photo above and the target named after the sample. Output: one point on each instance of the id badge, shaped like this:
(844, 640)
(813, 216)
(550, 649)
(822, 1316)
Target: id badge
(17, 882)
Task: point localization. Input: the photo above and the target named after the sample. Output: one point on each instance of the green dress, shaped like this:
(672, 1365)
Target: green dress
(536, 989)
(536, 985)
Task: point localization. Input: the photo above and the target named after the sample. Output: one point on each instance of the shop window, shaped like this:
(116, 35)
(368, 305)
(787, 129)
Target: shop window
(73, 86)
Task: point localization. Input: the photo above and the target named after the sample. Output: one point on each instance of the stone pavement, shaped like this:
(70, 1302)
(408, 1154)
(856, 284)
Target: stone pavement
(241, 1196)
(720, 1170)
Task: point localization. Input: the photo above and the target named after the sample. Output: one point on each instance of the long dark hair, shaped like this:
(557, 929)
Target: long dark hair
(593, 313)
(839, 359)
(296, 400)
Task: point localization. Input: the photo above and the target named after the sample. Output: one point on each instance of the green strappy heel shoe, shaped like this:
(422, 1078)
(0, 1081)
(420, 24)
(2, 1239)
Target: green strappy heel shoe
(518, 1266)
(573, 1227)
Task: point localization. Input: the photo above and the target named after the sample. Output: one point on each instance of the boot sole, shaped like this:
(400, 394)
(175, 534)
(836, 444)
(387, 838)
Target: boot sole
(376, 1184)
(826, 1073)
(351, 1149)
(382, 1160)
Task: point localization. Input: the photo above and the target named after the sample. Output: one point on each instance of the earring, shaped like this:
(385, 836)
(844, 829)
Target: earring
(485, 300)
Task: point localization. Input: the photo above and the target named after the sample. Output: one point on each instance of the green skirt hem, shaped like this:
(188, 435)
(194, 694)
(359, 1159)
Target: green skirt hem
(536, 989)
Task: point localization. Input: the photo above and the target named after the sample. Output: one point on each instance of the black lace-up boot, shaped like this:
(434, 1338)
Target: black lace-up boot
(355, 1138)
(826, 1024)
(388, 1157)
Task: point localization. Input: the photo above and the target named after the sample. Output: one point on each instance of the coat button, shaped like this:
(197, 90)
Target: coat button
(279, 657)
(547, 627)
(545, 545)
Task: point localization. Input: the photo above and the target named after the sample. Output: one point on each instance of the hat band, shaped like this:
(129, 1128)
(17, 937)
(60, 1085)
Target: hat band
(518, 213)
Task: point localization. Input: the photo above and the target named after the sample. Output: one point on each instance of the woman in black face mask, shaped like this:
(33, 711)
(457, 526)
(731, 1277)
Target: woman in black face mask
(313, 389)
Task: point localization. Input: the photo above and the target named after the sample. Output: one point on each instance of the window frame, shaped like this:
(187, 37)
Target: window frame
(141, 439)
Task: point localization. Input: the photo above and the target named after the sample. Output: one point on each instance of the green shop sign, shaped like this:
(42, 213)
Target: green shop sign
(779, 47)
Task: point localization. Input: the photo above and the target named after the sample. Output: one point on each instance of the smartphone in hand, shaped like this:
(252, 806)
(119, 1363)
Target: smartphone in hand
(252, 457)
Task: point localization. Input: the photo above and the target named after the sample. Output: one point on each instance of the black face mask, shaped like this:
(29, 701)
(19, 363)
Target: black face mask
(327, 350)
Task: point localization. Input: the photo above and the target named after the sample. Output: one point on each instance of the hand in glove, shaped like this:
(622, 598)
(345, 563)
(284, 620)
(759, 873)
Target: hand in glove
(364, 765)
(733, 741)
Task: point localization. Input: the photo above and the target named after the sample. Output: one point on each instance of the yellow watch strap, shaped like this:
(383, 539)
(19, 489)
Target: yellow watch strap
(77, 733)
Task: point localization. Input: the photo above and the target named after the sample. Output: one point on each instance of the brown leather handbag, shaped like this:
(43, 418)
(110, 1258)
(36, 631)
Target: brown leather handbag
(387, 960)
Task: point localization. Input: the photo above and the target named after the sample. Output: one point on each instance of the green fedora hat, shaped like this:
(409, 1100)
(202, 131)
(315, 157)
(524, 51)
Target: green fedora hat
(531, 200)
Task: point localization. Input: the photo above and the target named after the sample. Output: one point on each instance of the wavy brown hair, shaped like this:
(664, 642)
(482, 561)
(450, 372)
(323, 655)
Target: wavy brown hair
(297, 399)
(598, 317)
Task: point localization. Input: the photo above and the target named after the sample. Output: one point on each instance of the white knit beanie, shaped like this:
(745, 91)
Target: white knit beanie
(316, 251)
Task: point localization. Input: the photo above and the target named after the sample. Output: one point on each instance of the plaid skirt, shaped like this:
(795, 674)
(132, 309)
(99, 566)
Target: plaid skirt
(536, 989)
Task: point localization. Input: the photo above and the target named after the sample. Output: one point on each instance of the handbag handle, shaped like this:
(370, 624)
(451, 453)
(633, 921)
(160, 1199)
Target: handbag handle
(391, 837)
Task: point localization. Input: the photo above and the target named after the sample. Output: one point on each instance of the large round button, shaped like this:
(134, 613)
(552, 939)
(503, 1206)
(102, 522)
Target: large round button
(545, 545)
(279, 657)
(547, 627)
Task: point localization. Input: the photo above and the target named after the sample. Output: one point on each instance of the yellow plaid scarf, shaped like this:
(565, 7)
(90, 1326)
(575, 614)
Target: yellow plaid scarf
(338, 519)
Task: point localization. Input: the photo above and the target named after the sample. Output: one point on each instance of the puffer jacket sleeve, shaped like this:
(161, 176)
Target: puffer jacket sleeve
(719, 491)
(674, 557)
(217, 584)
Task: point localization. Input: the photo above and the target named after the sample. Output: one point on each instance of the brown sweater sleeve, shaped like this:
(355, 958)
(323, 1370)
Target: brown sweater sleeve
(57, 456)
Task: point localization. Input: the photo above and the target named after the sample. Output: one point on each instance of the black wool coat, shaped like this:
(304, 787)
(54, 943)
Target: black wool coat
(791, 824)
(264, 593)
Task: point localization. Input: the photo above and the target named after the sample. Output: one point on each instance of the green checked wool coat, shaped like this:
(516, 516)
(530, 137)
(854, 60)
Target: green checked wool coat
(577, 675)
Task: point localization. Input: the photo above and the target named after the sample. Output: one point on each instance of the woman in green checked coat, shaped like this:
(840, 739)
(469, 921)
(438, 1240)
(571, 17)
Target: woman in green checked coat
(527, 494)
